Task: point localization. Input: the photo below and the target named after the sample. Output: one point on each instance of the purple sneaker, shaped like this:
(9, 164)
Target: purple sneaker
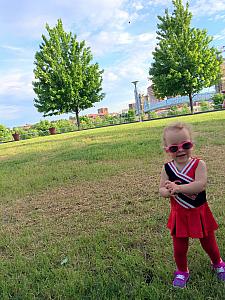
(180, 279)
(220, 270)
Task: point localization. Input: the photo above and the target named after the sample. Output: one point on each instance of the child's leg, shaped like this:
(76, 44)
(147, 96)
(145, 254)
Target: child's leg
(180, 247)
(210, 246)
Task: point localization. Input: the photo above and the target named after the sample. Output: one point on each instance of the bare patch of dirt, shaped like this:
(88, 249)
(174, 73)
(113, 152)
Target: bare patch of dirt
(97, 203)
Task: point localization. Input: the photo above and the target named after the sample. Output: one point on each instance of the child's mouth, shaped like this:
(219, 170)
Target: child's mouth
(181, 155)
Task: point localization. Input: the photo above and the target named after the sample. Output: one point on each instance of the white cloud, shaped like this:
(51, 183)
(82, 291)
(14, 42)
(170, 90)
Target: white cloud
(145, 37)
(219, 36)
(159, 2)
(13, 48)
(114, 41)
(135, 66)
(138, 5)
(9, 112)
(76, 15)
(207, 7)
(16, 82)
(218, 17)
(110, 76)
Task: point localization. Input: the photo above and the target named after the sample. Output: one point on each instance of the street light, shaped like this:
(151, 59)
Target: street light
(137, 100)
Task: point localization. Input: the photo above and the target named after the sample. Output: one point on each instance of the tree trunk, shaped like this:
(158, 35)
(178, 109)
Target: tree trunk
(191, 102)
(77, 117)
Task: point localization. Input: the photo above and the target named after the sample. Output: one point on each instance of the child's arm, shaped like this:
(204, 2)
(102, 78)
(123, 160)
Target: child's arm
(195, 187)
(164, 192)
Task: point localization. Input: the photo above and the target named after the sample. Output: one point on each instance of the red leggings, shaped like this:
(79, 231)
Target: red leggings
(180, 247)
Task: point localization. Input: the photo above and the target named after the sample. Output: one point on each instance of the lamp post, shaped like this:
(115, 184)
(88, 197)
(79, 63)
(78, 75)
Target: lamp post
(137, 100)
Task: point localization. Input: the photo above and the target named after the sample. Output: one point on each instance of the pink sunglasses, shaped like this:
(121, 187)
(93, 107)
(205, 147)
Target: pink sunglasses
(184, 146)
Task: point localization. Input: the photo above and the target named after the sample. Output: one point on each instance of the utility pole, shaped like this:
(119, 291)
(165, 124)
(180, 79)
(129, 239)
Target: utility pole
(137, 101)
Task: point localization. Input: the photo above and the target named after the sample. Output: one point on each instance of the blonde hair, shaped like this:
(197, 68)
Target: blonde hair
(176, 126)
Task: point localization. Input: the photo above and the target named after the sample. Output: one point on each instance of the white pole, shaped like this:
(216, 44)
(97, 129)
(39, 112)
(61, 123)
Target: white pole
(137, 100)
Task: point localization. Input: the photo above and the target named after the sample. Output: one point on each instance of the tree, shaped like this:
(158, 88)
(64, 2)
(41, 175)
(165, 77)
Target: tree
(183, 61)
(218, 100)
(65, 79)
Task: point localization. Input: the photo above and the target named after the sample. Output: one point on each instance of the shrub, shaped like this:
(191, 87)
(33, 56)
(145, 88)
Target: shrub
(204, 106)
(64, 126)
(42, 125)
(152, 115)
(30, 133)
(173, 111)
(5, 134)
(218, 100)
(185, 109)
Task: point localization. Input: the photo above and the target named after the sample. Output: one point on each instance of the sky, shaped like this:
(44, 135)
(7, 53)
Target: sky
(120, 33)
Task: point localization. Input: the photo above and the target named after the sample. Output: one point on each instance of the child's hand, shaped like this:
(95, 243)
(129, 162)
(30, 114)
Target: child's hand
(172, 187)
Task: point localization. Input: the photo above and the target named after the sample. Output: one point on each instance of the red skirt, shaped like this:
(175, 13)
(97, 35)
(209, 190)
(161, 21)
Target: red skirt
(193, 222)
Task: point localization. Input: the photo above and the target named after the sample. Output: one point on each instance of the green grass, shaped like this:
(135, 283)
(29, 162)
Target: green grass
(92, 197)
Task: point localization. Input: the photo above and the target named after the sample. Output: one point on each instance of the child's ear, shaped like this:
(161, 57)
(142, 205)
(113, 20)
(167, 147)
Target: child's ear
(166, 149)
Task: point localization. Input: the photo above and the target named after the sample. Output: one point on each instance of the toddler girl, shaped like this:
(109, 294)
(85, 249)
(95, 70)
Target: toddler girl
(184, 180)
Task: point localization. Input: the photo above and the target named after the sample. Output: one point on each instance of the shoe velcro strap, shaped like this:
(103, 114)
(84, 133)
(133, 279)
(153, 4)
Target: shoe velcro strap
(179, 276)
(220, 270)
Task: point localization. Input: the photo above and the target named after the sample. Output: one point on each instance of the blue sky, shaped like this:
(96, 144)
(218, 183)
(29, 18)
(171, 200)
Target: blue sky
(121, 35)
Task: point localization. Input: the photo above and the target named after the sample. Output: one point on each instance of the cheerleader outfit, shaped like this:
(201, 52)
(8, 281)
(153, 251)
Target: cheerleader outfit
(190, 215)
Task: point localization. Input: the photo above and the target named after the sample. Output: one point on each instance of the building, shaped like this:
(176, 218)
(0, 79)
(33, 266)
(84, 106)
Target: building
(131, 106)
(151, 97)
(143, 98)
(27, 126)
(124, 111)
(223, 77)
(220, 88)
(103, 110)
(114, 114)
(94, 116)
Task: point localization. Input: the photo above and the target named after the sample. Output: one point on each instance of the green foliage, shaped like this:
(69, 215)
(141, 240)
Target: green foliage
(185, 109)
(42, 125)
(86, 122)
(218, 100)
(92, 197)
(64, 126)
(152, 115)
(204, 106)
(98, 121)
(164, 114)
(30, 133)
(111, 119)
(131, 115)
(65, 79)
(173, 111)
(19, 130)
(5, 133)
(184, 61)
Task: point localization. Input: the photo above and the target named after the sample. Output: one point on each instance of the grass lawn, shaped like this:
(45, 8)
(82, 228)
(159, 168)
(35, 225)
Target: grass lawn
(81, 217)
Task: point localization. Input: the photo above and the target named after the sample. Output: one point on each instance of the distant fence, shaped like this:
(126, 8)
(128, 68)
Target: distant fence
(177, 100)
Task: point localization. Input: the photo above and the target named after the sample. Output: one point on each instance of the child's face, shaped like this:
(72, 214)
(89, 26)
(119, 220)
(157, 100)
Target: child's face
(177, 137)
